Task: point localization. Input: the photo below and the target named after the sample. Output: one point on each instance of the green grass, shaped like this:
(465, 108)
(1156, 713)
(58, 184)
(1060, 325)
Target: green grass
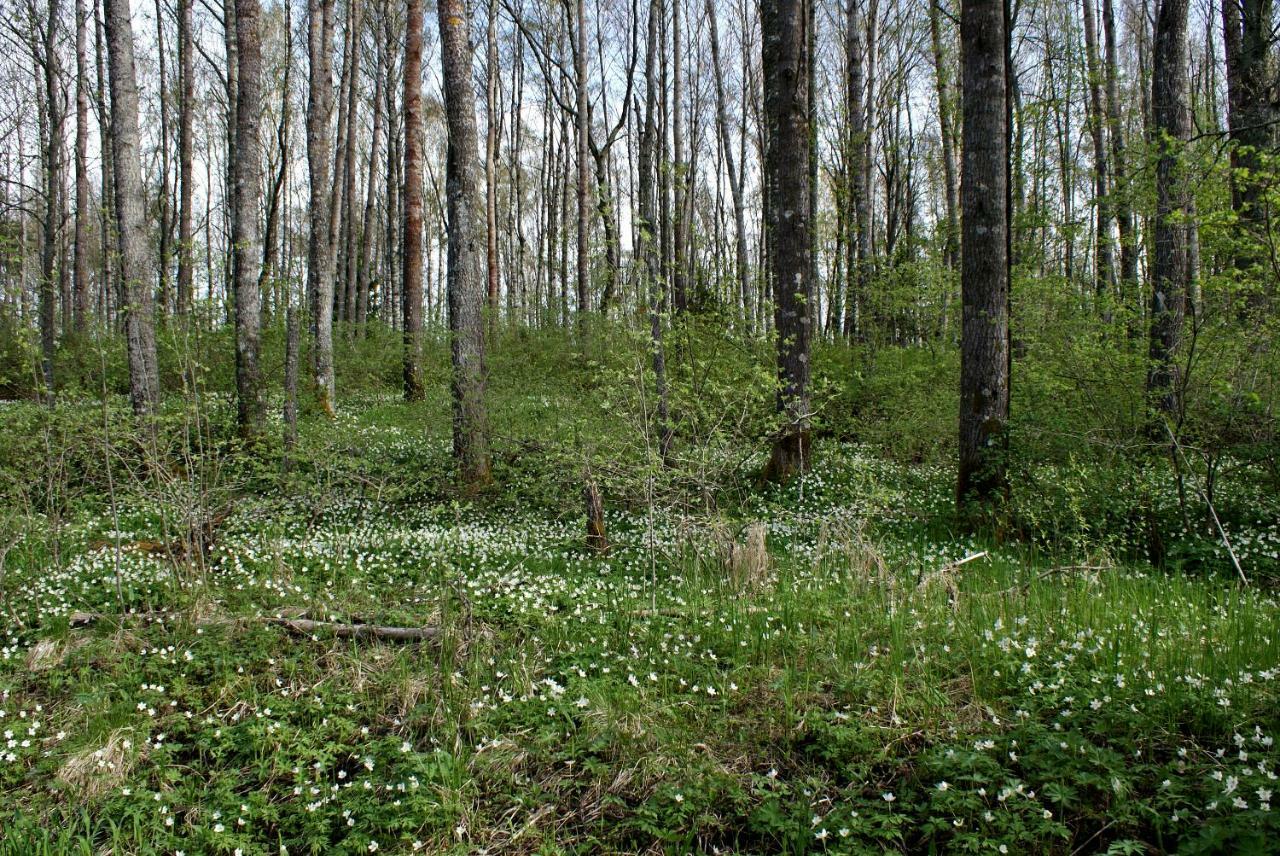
(863, 696)
(1060, 694)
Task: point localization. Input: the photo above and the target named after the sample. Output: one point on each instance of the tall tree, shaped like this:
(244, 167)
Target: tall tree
(1169, 271)
(136, 273)
(1128, 273)
(984, 247)
(319, 266)
(466, 248)
(492, 130)
(785, 55)
(84, 201)
(247, 259)
(186, 138)
(648, 225)
(857, 163)
(584, 168)
(1104, 256)
(47, 59)
(947, 135)
(1248, 42)
(745, 295)
(411, 294)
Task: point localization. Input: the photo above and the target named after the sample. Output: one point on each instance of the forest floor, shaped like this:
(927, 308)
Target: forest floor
(869, 684)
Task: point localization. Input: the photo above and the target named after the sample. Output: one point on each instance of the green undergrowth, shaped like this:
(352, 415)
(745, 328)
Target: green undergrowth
(865, 693)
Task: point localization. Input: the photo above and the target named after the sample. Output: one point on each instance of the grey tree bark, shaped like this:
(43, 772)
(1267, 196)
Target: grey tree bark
(984, 199)
(136, 273)
(466, 286)
(319, 262)
(186, 177)
(247, 242)
(80, 262)
(735, 178)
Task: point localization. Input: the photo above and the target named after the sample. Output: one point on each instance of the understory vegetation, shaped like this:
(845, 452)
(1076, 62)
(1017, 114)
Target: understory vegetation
(1094, 677)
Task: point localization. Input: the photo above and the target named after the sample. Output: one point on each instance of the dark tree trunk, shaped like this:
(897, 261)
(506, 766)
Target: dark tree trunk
(1169, 273)
(136, 275)
(466, 250)
(786, 59)
(247, 172)
(984, 201)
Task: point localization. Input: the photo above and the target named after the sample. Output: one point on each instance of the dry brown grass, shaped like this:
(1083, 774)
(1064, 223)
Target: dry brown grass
(94, 772)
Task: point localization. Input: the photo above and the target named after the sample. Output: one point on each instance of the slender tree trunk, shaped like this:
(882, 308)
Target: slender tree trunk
(491, 159)
(1128, 273)
(984, 199)
(679, 169)
(583, 163)
(319, 268)
(466, 256)
(107, 191)
(859, 149)
(165, 224)
(80, 261)
(367, 230)
(735, 178)
(1249, 40)
(247, 170)
(46, 57)
(1169, 274)
(136, 275)
(186, 179)
(411, 309)
(1104, 260)
(348, 239)
(947, 135)
(649, 244)
(276, 192)
(786, 60)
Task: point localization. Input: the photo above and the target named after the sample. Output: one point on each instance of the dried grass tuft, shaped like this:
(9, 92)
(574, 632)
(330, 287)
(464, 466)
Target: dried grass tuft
(94, 772)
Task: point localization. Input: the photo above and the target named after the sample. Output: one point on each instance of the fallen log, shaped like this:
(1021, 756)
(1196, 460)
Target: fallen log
(307, 627)
(300, 626)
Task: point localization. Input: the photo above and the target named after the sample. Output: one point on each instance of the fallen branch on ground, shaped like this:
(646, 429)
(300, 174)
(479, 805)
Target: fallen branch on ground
(299, 625)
